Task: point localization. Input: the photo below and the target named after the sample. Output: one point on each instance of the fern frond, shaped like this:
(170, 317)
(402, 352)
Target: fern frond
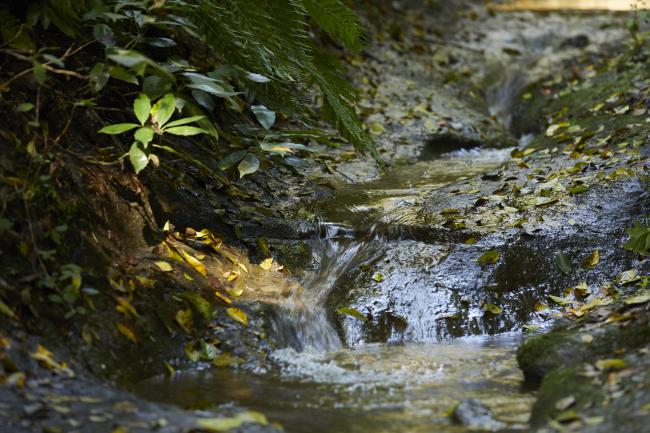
(336, 19)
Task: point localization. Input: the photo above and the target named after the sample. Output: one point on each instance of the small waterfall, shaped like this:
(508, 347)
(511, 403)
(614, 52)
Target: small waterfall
(303, 322)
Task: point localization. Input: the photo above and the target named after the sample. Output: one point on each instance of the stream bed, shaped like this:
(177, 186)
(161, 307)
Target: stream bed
(317, 384)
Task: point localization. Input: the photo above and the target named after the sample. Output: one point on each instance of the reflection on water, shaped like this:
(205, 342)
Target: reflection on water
(375, 388)
(549, 5)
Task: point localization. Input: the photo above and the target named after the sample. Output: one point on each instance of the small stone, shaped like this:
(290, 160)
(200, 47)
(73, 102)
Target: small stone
(475, 415)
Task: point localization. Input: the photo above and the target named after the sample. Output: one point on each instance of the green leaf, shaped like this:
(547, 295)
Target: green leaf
(184, 121)
(138, 158)
(563, 263)
(489, 257)
(491, 308)
(118, 128)
(98, 77)
(231, 159)
(40, 73)
(24, 107)
(141, 108)
(119, 73)
(639, 241)
(185, 130)
(248, 165)
(352, 312)
(163, 109)
(265, 116)
(257, 78)
(144, 135)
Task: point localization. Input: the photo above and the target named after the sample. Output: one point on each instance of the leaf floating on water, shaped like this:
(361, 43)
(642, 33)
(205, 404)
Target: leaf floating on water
(222, 424)
(563, 263)
(592, 260)
(163, 265)
(378, 277)
(226, 360)
(238, 315)
(352, 312)
(531, 328)
(127, 332)
(489, 257)
(611, 364)
(491, 308)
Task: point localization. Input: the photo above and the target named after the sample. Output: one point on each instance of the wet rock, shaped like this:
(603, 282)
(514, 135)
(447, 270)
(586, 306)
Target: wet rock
(475, 415)
(577, 41)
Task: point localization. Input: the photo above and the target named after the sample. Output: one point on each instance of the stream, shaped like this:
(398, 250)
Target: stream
(321, 384)
(336, 370)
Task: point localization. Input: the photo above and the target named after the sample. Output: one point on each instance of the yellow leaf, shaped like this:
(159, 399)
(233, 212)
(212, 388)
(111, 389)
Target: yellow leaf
(592, 260)
(163, 266)
(125, 307)
(223, 424)
(195, 263)
(611, 364)
(494, 309)
(267, 264)
(226, 360)
(238, 315)
(126, 331)
(378, 277)
(184, 319)
(223, 297)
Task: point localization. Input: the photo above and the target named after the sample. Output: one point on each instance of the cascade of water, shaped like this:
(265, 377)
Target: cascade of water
(303, 322)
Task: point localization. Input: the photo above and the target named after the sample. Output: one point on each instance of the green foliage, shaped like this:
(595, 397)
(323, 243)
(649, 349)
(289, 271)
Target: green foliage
(153, 120)
(639, 241)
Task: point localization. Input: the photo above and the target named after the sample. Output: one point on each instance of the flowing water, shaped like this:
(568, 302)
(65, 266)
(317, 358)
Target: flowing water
(319, 385)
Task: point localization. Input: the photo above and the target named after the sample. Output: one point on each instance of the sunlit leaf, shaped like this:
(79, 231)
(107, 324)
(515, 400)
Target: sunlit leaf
(185, 131)
(163, 110)
(142, 108)
(195, 263)
(611, 364)
(138, 158)
(144, 135)
(184, 121)
(237, 315)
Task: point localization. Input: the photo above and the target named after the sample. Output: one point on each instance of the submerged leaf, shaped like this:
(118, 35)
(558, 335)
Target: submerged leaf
(223, 424)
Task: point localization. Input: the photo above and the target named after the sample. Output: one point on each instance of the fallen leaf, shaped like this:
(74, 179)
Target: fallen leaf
(563, 263)
(127, 332)
(489, 257)
(238, 315)
(611, 364)
(565, 403)
(352, 312)
(378, 277)
(195, 263)
(267, 264)
(222, 424)
(494, 309)
(592, 260)
(163, 266)
(638, 299)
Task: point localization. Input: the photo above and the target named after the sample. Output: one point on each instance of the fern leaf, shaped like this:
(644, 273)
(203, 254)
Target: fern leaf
(336, 19)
